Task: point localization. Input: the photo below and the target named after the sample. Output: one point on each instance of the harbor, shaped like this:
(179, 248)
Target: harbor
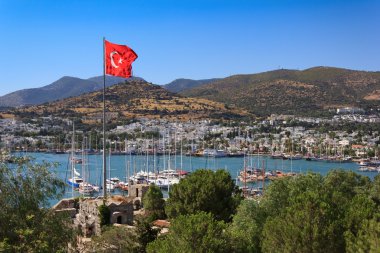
(128, 166)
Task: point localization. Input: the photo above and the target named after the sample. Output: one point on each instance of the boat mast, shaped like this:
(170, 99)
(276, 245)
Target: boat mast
(181, 154)
(163, 148)
(72, 161)
(245, 177)
(175, 149)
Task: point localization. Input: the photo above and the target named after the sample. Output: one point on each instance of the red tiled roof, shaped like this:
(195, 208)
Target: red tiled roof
(161, 223)
(357, 146)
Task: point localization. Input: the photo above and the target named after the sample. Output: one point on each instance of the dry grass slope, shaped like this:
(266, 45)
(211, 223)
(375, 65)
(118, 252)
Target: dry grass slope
(133, 100)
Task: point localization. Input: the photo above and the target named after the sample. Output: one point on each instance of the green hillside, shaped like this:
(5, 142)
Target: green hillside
(311, 91)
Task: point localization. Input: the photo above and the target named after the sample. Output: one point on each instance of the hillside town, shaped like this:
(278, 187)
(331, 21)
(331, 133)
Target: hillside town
(278, 134)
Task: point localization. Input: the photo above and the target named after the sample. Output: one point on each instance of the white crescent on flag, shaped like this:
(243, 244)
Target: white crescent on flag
(112, 62)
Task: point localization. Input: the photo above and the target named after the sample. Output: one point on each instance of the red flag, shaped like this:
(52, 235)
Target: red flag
(119, 59)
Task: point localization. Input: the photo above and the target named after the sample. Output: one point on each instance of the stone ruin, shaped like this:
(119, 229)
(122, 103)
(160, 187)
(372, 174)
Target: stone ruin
(85, 211)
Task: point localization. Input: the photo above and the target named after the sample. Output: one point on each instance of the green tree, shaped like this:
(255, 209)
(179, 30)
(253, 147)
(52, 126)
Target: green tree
(204, 190)
(26, 222)
(302, 225)
(115, 239)
(367, 239)
(364, 222)
(104, 215)
(245, 229)
(124, 239)
(359, 218)
(145, 233)
(154, 203)
(192, 233)
(375, 190)
(312, 213)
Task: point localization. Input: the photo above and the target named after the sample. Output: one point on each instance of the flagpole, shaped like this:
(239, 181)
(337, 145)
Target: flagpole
(104, 126)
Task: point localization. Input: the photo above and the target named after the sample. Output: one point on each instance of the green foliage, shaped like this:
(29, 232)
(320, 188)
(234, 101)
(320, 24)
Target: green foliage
(146, 234)
(314, 213)
(26, 224)
(245, 229)
(204, 190)
(368, 238)
(104, 215)
(115, 239)
(364, 233)
(310, 213)
(301, 224)
(375, 190)
(124, 239)
(154, 203)
(193, 233)
(338, 212)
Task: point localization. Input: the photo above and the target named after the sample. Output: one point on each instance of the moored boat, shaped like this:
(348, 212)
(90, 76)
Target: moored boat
(86, 189)
(75, 181)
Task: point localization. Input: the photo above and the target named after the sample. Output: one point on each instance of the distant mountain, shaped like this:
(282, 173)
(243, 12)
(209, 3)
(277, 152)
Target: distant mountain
(307, 92)
(63, 88)
(133, 99)
(180, 85)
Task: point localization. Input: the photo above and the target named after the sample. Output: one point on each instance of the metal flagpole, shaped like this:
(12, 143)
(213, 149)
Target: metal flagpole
(104, 125)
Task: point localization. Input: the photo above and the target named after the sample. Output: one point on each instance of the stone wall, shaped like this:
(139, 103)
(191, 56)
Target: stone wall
(88, 221)
(137, 190)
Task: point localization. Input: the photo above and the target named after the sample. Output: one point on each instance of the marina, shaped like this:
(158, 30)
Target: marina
(120, 167)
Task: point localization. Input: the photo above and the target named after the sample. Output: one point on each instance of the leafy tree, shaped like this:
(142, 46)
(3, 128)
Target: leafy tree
(367, 239)
(311, 213)
(115, 239)
(338, 212)
(207, 191)
(145, 233)
(245, 229)
(192, 233)
(375, 190)
(26, 222)
(346, 193)
(302, 225)
(364, 222)
(276, 196)
(154, 203)
(124, 239)
(359, 218)
(104, 215)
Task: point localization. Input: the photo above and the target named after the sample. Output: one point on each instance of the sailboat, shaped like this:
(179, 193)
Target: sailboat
(75, 179)
(110, 182)
(85, 187)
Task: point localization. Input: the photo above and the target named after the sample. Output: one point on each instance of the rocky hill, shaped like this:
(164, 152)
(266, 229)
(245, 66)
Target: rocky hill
(129, 100)
(307, 92)
(63, 88)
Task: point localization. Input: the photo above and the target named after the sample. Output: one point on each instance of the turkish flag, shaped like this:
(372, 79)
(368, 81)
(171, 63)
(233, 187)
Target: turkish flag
(119, 59)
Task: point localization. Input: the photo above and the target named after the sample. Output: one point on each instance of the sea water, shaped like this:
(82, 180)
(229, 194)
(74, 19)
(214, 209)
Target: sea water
(123, 165)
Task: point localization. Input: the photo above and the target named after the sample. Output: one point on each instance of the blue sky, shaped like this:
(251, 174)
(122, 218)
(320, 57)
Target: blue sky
(42, 41)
